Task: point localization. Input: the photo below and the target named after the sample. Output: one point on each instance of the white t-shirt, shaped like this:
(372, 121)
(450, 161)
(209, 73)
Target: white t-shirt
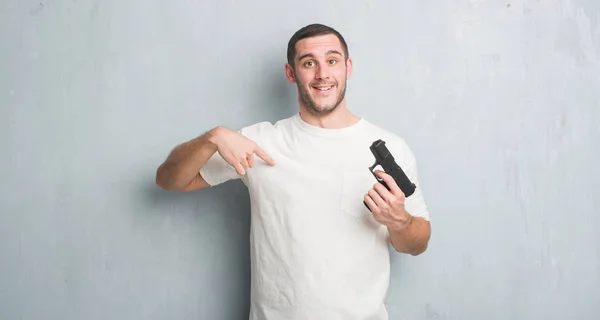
(316, 251)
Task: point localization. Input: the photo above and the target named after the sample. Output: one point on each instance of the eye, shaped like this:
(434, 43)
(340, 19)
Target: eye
(308, 64)
(332, 61)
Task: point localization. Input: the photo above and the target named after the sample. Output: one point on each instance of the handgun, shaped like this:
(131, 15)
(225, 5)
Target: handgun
(385, 159)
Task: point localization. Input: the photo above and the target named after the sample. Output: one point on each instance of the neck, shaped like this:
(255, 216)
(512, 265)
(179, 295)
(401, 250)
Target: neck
(341, 117)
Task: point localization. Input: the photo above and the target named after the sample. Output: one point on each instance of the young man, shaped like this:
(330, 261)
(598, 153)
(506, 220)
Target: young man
(317, 252)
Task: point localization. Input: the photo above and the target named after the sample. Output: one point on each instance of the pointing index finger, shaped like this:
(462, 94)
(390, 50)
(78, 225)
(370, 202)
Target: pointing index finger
(261, 154)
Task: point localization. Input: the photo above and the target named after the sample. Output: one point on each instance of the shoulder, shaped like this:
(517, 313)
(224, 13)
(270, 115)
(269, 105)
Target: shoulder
(265, 129)
(257, 129)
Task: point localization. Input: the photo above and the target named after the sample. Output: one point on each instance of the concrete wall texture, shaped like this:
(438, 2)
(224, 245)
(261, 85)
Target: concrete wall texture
(500, 101)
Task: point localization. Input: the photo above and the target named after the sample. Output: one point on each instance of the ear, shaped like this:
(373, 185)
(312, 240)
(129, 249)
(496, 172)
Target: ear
(348, 68)
(289, 73)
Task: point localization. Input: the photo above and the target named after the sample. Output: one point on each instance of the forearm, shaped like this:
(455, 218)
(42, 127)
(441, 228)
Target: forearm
(184, 161)
(413, 238)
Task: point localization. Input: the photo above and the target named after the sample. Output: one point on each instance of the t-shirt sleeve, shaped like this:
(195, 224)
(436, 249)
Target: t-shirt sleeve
(216, 170)
(415, 204)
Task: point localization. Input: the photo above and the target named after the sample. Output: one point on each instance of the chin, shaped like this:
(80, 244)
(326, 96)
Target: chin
(322, 110)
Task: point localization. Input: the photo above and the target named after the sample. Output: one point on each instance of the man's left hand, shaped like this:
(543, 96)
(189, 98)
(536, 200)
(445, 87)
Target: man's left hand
(388, 206)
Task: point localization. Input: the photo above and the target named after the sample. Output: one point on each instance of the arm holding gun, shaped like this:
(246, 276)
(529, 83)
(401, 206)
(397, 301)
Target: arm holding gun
(408, 234)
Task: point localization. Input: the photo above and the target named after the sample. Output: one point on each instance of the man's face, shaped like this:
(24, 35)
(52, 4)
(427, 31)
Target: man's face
(320, 72)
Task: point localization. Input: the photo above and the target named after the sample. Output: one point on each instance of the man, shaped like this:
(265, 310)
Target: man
(317, 252)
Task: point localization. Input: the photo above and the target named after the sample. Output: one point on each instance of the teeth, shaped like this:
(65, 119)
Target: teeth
(324, 89)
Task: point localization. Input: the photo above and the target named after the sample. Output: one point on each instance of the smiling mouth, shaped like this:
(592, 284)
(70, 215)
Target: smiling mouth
(323, 88)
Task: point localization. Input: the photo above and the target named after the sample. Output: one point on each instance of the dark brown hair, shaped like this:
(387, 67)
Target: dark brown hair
(312, 30)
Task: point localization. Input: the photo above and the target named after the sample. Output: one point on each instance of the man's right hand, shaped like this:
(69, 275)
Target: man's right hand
(238, 150)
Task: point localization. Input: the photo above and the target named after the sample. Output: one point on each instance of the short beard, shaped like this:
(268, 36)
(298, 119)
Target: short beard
(312, 106)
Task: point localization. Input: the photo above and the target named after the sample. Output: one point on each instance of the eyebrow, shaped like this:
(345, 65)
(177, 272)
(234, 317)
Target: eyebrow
(310, 55)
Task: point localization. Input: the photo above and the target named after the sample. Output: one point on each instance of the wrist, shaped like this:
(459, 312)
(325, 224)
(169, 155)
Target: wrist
(213, 136)
(403, 223)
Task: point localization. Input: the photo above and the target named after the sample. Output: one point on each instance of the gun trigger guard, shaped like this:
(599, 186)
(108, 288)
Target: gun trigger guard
(378, 179)
(372, 168)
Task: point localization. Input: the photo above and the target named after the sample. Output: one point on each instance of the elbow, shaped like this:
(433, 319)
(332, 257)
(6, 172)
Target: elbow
(418, 251)
(161, 179)
(160, 184)
(412, 251)
(415, 249)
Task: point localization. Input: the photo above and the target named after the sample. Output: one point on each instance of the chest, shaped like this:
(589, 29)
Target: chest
(329, 175)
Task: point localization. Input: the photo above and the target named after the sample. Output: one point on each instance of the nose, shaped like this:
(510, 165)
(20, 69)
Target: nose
(322, 72)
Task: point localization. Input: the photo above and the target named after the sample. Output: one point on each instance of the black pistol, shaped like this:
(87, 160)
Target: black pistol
(384, 158)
